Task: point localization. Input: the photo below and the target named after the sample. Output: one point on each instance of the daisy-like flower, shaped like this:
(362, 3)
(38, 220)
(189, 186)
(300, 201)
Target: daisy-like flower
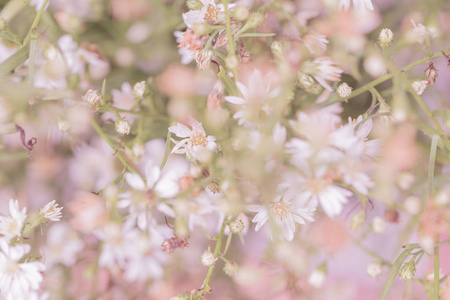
(50, 212)
(195, 143)
(210, 12)
(359, 4)
(255, 97)
(18, 279)
(11, 226)
(323, 69)
(315, 43)
(143, 198)
(285, 211)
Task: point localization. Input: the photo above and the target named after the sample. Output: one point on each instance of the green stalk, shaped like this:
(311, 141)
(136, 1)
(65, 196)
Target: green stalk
(436, 271)
(35, 23)
(206, 288)
(32, 59)
(228, 26)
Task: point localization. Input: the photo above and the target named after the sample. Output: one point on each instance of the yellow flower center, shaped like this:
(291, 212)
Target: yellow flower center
(212, 13)
(280, 209)
(198, 139)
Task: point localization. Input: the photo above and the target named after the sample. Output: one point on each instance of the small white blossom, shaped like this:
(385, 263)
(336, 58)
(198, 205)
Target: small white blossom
(18, 279)
(344, 90)
(195, 143)
(323, 69)
(139, 89)
(359, 4)
(64, 126)
(378, 225)
(11, 226)
(123, 127)
(50, 212)
(374, 269)
(317, 278)
(92, 97)
(315, 43)
(207, 259)
(419, 86)
(237, 226)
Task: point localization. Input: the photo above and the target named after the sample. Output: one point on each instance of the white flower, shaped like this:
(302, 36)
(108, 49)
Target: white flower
(207, 259)
(18, 279)
(50, 212)
(323, 70)
(210, 12)
(344, 90)
(378, 225)
(187, 54)
(419, 86)
(195, 143)
(374, 269)
(144, 196)
(359, 4)
(317, 278)
(285, 211)
(11, 226)
(255, 98)
(123, 127)
(92, 97)
(315, 43)
(62, 245)
(139, 89)
(386, 37)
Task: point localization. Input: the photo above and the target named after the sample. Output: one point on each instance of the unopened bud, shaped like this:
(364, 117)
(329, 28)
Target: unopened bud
(64, 126)
(123, 127)
(344, 90)
(230, 268)
(431, 73)
(3, 25)
(207, 259)
(305, 81)
(374, 269)
(419, 86)
(386, 37)
(408, 270)
(241, 13)
(201, 29)
(140, 89)
(412, 205)
(237, 226)
(232, 62)
(92, 97)
(378, 225)
(203, 58)
(357, 220)
(277, 50)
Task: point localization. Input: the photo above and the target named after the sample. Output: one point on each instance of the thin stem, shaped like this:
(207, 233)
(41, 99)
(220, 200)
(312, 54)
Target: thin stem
(206, 287)
(228, 26)
(436, 271)
(35, 23)
(371, 253)
(431, 164)
(119, 155)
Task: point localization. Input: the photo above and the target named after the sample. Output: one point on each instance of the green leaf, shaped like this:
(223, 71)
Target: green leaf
(166, 152)
(430, 132)
(15, 60)
(394, 271)
(257, 34)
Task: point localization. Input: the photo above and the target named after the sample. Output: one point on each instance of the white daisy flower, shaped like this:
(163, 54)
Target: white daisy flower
(325, 70)
(255, 97)
(285, 211)
(144, 197)
(195, 143)
(210, 12)
(18, 279)
(11, 226)
(62, 245)
(50, 212)
(359, 4)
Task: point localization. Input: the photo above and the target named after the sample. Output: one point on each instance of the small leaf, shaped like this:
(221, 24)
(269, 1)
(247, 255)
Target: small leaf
(15, 60)
(166, 152)
(257, 34)
(394, 271)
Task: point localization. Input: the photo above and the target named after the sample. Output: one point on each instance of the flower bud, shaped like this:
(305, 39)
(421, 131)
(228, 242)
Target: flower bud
(374, 269)
(203, 58)
(230, 268)
(412, 205)
(237, 226)
(3, 25)
(201, 29)
(386, 37)
(305, 81)
(232, 62)
(207, 259)
(419, 86)
(123, 127)
(378, 225)
(431, 73)
(64, 126)
(241, 13)
(357, 220)
(408, 270)
(344, 90)
(92, 97)
(140, 89)
(277, 50)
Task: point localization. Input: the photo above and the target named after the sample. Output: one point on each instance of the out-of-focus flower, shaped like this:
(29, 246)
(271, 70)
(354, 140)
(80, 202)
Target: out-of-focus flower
(11, 226)
(378, 225)
(420, 33)
(323, 69)
(237, 226)
(39, 3)
(92, 97)
(317, 278)
(62, 245)
(419, 86)
(50, 212)
(140, 89)
(19, 279)
(207, 259)
(359, 4)
(230, 268)
(64, 126)
(374, 269)
(344, 90)
(315, 43)
(385, 38)
(286, 212)
(255, 98)
(194, 142)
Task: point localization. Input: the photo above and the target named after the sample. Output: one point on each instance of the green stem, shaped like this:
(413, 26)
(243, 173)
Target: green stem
(431, 164)
(35, 23)
(228, 26)
(119, 155)
(206, 287)
(436, 271)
